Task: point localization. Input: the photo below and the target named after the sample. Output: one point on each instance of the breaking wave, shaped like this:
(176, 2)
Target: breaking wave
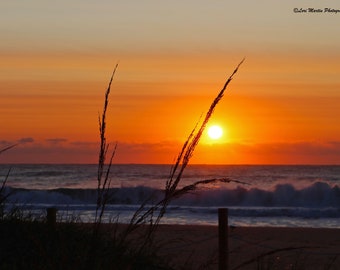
(318, 194)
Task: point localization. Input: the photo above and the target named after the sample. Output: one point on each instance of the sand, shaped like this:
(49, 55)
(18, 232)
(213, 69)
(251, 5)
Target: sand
(287, 248)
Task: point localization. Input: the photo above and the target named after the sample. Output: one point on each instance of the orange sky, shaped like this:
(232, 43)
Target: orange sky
(281, 108)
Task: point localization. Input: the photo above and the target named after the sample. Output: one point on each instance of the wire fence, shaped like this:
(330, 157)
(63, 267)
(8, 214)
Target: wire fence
(239, 244)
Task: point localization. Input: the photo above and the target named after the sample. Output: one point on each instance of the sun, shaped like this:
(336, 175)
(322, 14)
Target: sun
(215, 132)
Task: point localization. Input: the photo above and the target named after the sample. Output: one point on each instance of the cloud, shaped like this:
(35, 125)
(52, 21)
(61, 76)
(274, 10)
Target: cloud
(52, 150)
(60, 150)
(26, 140)
(283, 153)
(56, 140)
(84, 144)
(303, 148)
(5, 143)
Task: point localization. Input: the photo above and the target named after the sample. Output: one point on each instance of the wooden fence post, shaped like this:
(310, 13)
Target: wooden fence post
(51, 217)
(223, 238)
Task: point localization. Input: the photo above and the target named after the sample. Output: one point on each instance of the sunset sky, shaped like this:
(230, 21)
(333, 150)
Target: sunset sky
(283, 106)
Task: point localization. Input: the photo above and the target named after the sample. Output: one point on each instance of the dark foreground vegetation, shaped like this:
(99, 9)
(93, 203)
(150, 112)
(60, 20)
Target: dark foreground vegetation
(35, 245)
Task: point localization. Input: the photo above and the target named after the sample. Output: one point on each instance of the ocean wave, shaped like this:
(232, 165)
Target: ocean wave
(318, 194)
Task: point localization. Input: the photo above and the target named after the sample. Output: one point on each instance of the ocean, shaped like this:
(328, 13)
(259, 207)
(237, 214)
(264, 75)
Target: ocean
(269, 195)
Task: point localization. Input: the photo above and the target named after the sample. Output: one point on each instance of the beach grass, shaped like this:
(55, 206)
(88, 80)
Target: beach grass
(146, 214)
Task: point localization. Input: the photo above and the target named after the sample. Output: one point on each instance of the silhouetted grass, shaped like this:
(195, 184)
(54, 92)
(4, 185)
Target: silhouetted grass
(3, 194)
(7, 148)
(103, 177)
(145, 215)
(153, 215)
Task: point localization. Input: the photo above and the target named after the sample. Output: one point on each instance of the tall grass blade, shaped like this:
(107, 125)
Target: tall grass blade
(103, 177)
(143, 215)
(7, 148)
